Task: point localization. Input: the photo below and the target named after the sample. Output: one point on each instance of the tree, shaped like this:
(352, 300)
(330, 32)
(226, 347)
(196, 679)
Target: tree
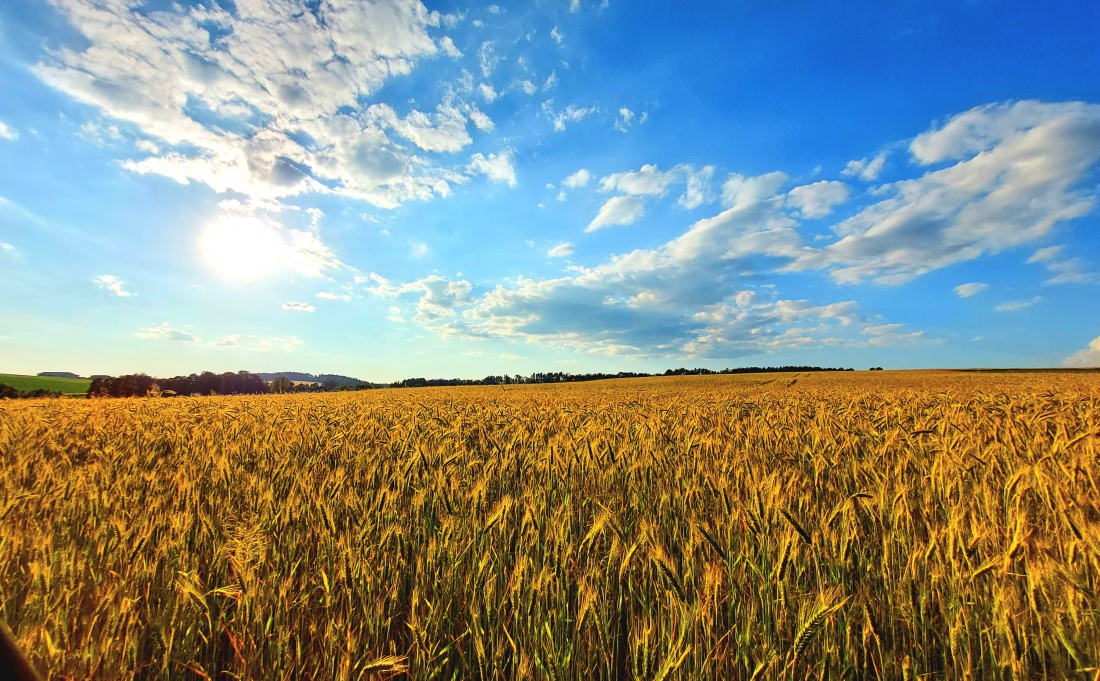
(282, 384)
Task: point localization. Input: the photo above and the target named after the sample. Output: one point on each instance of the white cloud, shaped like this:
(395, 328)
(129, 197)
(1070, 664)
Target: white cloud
(481, 121)
(497, 167)
(527, 86)
(1016, 305)
(574, 6)
(488, 58)
(99, 134)
(419, 250)
(1017, 178)
(325, 295)
(697, 187)
(570, 114)
(1045, 254)
(577, 179)
(884, 335)
(447, 46)
(299, 307)
(1063, 271)
(619, 210)
(438, 296)
(488, 92)
(233, 112)
(818, 199)
(251, 343)
(1070, 271)
(692, 296)
(7, 132)
(1089, 357)
(562, 250)
(624, 120)
(738, 190)
(111, 283)
(443, 131)
(166, 332)
(865, 169)
(647, 181)
(971, 289)
(557, 35)
(6, 247)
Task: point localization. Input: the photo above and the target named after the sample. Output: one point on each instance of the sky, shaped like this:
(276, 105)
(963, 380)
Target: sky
(392, 189)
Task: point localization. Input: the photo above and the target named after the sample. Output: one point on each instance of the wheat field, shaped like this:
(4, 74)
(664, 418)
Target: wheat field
(895, 525)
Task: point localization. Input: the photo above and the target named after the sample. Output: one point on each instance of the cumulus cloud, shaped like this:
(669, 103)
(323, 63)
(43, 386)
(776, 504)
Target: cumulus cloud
(438, 296)
(693, 296)
(481, 121)
(865, 169)
(971, 289)
(109, 282)
(619, 210)
(299, 307)
(562, 250)
(1089, 357)
(557, 35)
(649, 180)
(325, 295)
(447, 46)
(497, 167)
(166, 332)
(264, 98)
(7, 132)
(697, 186)
(577, 179)
(1012, 175)
(818, 199)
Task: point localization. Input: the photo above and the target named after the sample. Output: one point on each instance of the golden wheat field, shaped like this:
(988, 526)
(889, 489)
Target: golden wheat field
(888, 525)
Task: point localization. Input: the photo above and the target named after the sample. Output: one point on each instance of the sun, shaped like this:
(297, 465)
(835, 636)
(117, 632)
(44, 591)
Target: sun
(242, 248)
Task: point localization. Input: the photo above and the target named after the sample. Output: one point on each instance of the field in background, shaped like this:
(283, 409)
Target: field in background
(68, 386)
(885, 524)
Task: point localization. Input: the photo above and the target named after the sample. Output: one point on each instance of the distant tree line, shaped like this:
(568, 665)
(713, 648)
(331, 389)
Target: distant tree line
(7, 392)
(562, 377)
(246, 383)
(206, 383)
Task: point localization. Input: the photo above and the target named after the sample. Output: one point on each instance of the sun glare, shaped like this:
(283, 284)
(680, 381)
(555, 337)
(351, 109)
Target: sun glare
(242, 248)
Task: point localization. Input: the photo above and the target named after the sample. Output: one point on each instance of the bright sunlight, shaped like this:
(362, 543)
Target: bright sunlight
(242, 248)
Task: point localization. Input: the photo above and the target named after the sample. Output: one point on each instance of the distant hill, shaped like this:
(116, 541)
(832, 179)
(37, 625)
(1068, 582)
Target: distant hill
(59, 374)
(68, 386)
(298, 376)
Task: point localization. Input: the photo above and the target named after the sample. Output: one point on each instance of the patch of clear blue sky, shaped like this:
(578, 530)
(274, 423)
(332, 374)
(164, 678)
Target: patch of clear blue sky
(746, 87)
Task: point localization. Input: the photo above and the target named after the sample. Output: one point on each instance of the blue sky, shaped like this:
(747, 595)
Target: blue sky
(397, 189)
